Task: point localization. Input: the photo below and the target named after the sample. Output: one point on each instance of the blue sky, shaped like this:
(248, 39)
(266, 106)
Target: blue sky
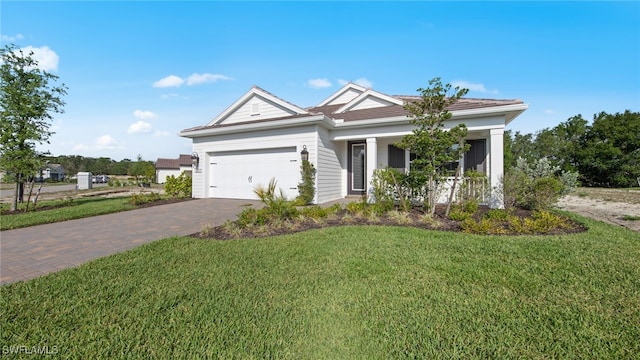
(139, 72)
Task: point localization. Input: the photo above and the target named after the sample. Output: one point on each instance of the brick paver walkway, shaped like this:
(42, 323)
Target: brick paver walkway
(38, 250)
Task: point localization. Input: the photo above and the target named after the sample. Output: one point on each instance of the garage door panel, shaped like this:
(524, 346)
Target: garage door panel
(236, 174)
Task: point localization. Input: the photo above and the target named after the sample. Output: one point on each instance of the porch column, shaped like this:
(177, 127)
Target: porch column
(496, 166)
(372, 161)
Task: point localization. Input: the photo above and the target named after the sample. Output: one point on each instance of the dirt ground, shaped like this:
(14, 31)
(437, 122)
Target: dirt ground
(608, 205)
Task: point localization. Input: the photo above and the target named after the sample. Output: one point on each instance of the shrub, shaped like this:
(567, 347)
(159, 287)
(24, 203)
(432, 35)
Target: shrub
(178, 186)
(484, 226)
(251, 217)
(536, 186)
(497, 215)
(276, 204)
(540, 222)
(355, 207)
(307, 188)
(139, 199)
(315, 212)
(458, 214)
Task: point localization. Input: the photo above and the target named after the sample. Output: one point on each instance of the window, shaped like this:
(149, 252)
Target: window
(396, 157)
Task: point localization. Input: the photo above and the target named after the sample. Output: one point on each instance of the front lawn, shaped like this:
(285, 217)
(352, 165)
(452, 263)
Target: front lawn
(366, 292)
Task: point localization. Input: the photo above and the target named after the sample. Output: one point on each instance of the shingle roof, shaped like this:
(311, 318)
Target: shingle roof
(374, 113)
(168, 164)
(173, 164)
(398, 110)
(184, 160)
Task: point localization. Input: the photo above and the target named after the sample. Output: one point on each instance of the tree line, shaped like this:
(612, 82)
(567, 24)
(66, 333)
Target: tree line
(605, 153)
(73, 164)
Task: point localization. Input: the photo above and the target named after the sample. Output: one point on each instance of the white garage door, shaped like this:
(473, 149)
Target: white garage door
(235, 174)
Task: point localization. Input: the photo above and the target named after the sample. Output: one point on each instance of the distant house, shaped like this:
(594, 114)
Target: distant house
(54, 172)
(168, 167)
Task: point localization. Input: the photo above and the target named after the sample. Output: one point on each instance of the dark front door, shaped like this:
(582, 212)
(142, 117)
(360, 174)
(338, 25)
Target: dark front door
(357, 164)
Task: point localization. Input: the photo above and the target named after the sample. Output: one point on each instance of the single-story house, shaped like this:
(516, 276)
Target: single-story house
(168, 167)
(52, 171)
(347, 136)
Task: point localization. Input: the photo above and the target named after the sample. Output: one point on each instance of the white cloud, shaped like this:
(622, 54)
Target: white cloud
(318, 83)
(364, 82)
(549, 111)
(473, 87)
(160, 133)
(144, 114)
(195, 78)
(80, 147)
(139, 127)
(106, 142)
(169, 81)
(47, 59)
(10, 39)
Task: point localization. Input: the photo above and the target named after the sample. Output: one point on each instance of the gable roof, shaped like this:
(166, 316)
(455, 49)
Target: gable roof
(353, 103)
(342, 96)
(257, 93)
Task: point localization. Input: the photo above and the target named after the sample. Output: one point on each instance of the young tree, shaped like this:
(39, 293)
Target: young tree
(27, 100)
(434, 146)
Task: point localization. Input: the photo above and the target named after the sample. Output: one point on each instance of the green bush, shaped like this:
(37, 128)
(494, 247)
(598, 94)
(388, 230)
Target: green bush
(356, 207)
(178, 186)
(535, 186)
(276, 204)
(497, 215)
(251, 217)
(540, 222)
(144, 198)
(315, 212)
(484, 226)
(458, 214)
(307, 188)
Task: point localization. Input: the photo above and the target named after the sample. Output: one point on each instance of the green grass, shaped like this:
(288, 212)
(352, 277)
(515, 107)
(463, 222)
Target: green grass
(631, 218)
(339, 293)
(75, 209)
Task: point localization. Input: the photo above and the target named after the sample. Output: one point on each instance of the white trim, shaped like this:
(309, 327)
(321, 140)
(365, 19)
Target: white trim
(244, 127)
(343, 90)
(369, 93)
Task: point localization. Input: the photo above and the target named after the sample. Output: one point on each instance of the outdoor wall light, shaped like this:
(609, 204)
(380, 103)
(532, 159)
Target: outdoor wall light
(195, 160)
(304, 154)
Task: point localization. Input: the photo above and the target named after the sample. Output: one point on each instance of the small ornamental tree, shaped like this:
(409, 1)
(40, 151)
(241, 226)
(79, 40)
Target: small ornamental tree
(307, 188)
(434, 146)
(27, 101)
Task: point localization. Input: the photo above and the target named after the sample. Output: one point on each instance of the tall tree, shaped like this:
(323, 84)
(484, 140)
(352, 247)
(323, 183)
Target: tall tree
(609, 152)
(434, 146)
(27, 100)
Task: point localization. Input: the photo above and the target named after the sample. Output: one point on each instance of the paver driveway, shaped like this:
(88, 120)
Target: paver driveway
(34, 251)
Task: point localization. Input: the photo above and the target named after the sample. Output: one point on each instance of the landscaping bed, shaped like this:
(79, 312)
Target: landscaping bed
(482, 221)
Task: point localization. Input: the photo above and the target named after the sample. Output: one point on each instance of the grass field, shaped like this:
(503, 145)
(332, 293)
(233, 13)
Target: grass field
(339, 293)
(61, 210)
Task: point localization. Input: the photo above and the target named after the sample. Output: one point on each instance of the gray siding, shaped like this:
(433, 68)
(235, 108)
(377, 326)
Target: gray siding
(329, 179)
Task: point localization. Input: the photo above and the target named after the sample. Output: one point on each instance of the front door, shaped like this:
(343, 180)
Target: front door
(356, 181)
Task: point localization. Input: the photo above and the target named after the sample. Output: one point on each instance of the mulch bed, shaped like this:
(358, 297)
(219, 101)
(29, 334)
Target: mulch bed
(440, 222)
